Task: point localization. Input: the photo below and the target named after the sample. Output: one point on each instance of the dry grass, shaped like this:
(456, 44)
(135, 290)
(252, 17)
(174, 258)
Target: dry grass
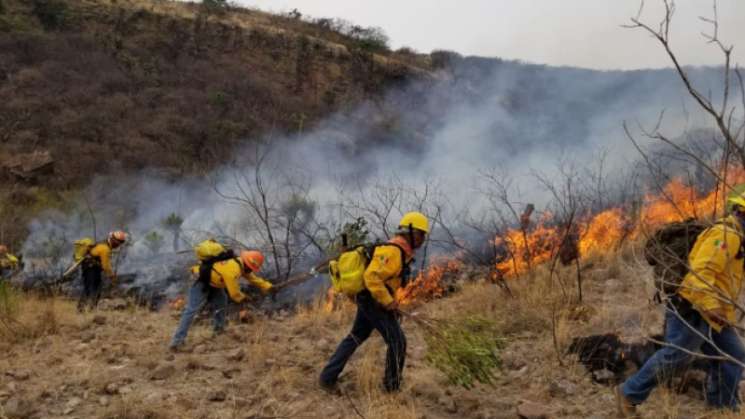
(283, 356)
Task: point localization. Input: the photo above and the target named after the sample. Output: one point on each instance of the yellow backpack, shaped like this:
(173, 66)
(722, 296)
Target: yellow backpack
(81, 248)
(209, 249)
(348, 270)
(210, 252)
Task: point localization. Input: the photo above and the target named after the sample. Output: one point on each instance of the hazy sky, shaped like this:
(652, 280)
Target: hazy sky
(583, 33)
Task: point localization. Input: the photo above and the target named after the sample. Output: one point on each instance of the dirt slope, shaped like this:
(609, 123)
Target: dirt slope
(114, 364)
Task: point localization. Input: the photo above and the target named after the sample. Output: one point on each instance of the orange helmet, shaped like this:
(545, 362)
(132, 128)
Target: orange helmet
(117, 238)
(3, 249)
(252, 259)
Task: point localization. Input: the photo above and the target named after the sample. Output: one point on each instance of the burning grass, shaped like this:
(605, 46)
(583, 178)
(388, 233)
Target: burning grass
(608, 230)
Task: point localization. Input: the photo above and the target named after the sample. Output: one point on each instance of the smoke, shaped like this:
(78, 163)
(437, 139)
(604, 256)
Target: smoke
(477, 115)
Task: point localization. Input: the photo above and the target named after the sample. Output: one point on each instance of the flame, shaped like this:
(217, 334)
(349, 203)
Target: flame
(604, 231)
(428, 284)
(177, 303)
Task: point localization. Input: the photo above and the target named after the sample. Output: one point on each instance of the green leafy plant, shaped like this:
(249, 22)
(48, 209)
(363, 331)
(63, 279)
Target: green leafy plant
(154, 241)
(465, 349)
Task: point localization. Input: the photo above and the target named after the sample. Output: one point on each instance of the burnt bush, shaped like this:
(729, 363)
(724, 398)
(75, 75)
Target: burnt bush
(52, 14)
(445, 59)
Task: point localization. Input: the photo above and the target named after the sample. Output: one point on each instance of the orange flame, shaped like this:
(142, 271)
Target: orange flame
(428, 284)
(177, 303)
(603, 232)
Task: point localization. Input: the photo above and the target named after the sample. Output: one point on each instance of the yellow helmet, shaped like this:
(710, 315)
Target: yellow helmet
(736, 197)
(415, 220)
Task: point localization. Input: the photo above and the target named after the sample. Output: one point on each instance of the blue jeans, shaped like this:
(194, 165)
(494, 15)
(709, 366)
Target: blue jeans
(723, 377)
(198, 297)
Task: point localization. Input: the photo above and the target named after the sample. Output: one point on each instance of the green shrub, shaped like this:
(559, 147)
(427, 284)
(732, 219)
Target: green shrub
(466, 350)
(214, 6)
(51, 13)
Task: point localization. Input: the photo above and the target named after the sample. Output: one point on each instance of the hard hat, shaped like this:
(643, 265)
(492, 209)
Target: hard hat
(736, 197)
(117, 237)
(415, 220)
(252, 259)
(3, 249)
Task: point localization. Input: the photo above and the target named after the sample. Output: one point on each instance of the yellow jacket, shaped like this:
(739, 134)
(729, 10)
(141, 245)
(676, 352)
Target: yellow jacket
(716, 270)
(8, 261)
(102, 252)
(383, 275)
(227, 274)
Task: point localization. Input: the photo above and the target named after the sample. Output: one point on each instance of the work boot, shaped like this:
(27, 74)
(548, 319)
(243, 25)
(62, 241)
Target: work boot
(331, 388)
(626, 409)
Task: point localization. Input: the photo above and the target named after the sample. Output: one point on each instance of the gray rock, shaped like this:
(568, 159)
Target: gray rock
(115, 304)
(532, 410)
(20, 375)
(603, 375)
(562, 388)
(237, 355)
(16, 408)
(111, 389)
(163, 373)
(216, 396)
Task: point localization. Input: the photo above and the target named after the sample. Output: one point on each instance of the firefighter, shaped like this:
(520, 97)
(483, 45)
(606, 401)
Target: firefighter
(700, 319)
(377, 306)
(225, 274)
(97, 260)
(8, 263)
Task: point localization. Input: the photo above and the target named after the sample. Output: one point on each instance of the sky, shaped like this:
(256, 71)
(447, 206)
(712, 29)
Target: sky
(582, 33)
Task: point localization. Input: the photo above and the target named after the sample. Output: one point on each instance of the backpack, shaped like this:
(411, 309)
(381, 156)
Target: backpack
(347, 271)
(208, 253)
(667, 252)
(81, 248)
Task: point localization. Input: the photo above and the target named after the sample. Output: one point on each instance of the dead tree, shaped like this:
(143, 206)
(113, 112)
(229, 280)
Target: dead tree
(279, 206)
(729, 119)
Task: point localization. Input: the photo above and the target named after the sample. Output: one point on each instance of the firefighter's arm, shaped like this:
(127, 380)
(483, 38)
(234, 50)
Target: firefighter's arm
(234, 288)
(715, 252)
(385, 264)
(259, 282)
(103, 253)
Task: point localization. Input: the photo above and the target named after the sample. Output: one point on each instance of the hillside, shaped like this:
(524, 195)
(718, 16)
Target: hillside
(138, 84)
(114, 363)
(106, 87)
